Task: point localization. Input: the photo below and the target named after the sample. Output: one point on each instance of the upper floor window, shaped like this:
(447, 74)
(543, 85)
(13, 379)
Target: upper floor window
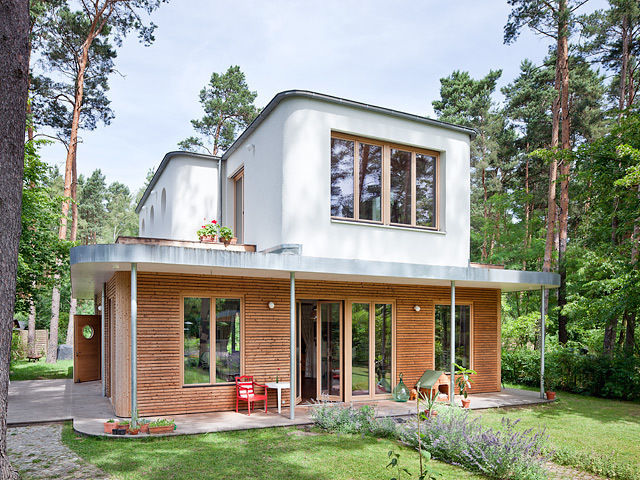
(383, 183)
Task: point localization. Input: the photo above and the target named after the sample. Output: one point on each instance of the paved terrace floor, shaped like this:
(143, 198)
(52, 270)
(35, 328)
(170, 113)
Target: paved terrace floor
(44, 401)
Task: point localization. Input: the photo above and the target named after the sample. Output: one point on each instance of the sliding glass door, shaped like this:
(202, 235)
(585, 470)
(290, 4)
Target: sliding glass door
(369, 349)
(330, 351)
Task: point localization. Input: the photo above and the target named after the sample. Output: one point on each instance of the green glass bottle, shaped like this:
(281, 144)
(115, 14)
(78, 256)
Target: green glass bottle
(401, 392)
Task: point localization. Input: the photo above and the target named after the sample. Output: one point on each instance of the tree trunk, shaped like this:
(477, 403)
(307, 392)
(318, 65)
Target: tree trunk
(52, 347)
(626, 43)
(565, 173)
(74, 233)
(484, 223)
(610, 335)
(31, 332)
(630, 339)
(526, 213)
(14, 77)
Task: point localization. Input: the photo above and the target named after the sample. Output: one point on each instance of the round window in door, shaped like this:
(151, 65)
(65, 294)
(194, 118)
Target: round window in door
(87, 332)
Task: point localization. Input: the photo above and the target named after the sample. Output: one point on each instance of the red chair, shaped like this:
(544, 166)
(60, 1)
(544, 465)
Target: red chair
(245, 391)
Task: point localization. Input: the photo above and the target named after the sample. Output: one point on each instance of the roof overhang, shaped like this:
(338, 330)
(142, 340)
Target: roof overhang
(93, 265)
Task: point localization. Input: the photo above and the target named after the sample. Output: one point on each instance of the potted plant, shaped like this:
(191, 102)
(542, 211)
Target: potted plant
(144, 425)
(463, 380)
(124, 425)
(161, 426)
(430, 398)
(109, 425)
(209, 232)
(550, 384)
(226, 236)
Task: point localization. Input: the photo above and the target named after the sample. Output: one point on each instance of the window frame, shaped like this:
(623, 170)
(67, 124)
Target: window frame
(348, 346)
(385, 193)
(444, 303)
(212, 339)
(239, 176)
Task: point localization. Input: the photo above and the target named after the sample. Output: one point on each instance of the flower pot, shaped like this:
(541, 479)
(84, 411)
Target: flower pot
(109, 426)
(144, 428)
(229, 241)
(209, 238)
(119, 431)
(132, 431)
(430, 414)
(466, 402)
(550, 395)
(161, 430)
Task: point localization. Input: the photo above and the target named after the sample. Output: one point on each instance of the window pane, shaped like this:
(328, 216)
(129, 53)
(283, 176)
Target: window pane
(342, 157)
(400, 187)
(239, 210)
(196, 340)
(227, 339)
(360, 349)
(383, 348)
(425, 190)
(443, 333)
(370, 181)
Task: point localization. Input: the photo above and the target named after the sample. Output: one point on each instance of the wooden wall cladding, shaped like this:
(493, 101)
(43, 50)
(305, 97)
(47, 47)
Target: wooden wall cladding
(266, 334)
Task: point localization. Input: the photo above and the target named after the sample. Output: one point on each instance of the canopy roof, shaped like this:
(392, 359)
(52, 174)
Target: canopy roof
(93, 265)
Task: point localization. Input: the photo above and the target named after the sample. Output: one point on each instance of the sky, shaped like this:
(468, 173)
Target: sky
(387, 53)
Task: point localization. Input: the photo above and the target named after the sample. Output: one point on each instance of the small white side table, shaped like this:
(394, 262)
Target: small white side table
(279, 386)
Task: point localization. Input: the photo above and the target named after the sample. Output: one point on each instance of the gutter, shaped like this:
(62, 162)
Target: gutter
(275, 101)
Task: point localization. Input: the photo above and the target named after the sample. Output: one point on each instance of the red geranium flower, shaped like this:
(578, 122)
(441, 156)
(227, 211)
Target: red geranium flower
(213, 221)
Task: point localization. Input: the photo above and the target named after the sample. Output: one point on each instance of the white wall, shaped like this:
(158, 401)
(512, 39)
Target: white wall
(191, 188)
(306, 200)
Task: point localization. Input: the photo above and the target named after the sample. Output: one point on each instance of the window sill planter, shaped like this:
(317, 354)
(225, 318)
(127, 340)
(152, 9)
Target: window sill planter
(550, 395)
(161, 430)
(229, 241)
(209, 238)
(110, 426)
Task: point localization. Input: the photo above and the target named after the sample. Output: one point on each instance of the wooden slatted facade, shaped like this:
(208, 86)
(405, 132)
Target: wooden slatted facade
(266, 334)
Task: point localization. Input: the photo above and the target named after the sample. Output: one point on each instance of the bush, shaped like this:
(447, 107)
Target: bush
(455, 438)
(343, 419)
(451, 436)
(616, 377)
(18, 349)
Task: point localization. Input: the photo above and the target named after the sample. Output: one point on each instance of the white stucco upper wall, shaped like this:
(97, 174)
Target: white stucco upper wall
(190, 186)
(306, 163)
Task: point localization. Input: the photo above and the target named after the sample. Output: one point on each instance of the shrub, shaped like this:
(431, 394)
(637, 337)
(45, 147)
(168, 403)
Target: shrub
(616, 377)
(455, 438)
(18, 349)
(344, 419)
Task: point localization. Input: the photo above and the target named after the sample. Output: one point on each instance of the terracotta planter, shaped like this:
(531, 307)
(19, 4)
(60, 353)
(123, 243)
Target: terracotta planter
(144, 428)
(465, 403)
(431, 414)
(550, 395)
(132, 431)
(108, 427)
(161, 430)
(209, 238)
(227, 242)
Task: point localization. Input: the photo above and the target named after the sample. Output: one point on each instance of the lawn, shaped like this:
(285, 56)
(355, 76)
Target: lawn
(590, 433)
(272, 453)
(41, 370)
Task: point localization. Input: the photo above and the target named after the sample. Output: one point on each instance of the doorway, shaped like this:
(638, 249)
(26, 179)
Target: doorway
(319, 350)
(86, 347)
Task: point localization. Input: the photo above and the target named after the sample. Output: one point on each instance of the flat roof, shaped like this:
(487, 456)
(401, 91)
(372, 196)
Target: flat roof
(93, 265)
(275, 101)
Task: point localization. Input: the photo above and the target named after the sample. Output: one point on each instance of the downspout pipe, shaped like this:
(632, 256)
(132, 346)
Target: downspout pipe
(452, 343)
(220, 190)
(292, 341)
(542, 339)
(134, 338)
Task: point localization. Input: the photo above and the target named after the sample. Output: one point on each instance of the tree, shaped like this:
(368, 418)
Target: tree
(100, 22)
(228, 108)
(552, 18)
(14, 81)
(121, 218)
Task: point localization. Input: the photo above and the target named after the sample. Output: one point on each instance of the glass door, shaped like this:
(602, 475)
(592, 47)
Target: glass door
(330, 351)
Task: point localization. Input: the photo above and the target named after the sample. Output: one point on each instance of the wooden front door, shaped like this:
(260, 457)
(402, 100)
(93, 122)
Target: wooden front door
(86, 347)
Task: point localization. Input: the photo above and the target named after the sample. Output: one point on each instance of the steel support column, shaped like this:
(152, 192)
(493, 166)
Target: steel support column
(102, 346)
(134, 337)
(292, 340)
(543, 314)
(452, 340)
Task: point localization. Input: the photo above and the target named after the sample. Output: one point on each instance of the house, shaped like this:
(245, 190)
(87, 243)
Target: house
(353, 244)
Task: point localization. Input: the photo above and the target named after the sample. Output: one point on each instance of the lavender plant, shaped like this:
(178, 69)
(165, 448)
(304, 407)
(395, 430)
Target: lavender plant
(455, 438)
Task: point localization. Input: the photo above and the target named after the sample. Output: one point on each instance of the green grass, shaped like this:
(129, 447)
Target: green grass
(272, 453)
(593, 434)
(41, 370)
